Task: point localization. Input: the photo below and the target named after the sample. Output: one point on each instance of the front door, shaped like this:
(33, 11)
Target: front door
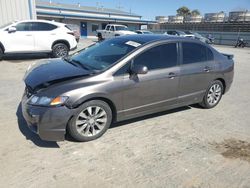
(84, 31)
(156, 90)
(22, 40)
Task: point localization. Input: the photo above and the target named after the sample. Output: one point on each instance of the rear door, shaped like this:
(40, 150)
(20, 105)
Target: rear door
(44, 35)
(157, 89)
(196, 70)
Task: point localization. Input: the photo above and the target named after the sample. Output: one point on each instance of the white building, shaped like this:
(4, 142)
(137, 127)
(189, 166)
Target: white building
(13, 10)
(89, 19)
(215, 17)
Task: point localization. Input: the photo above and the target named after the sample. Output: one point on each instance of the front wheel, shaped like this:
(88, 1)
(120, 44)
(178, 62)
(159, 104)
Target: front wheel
(213, 95)
(91, 121)
(1, 54)
(60, 50)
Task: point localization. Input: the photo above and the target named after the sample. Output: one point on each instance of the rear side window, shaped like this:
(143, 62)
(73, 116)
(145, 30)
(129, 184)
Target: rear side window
(210, 55)
(193, 53)
(39, 26)
(162, 56)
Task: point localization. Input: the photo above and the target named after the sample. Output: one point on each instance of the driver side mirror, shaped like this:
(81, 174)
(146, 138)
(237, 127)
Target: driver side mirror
(139, 69)
(12, 30)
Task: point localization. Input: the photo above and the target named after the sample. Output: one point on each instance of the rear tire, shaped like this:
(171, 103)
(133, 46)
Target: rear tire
(213, 95)
(60, 50)
(1, 54)
(91, 121)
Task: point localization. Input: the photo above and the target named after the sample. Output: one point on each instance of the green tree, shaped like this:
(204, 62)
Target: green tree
(195, 12)
(183, 11)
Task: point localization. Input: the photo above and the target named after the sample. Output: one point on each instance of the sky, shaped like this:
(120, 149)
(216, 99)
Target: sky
(148, 9)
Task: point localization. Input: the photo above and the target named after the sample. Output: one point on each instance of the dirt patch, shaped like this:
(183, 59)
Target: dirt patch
(234, 149)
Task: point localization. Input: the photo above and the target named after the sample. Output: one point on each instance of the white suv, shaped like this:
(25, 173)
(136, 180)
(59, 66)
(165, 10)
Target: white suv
(37, 36)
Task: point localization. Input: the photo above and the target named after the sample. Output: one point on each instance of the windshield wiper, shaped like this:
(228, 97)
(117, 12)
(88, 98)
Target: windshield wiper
(75, 62)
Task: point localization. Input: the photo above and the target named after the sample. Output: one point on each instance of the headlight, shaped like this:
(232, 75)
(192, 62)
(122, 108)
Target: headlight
(47, 101)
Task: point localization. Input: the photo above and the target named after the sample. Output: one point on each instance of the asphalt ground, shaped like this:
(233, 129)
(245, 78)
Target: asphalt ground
(185, 147)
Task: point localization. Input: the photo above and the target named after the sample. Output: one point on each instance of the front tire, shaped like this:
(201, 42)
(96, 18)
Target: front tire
(60, 50)
(213, 95)
(1, 54)
(91, 121)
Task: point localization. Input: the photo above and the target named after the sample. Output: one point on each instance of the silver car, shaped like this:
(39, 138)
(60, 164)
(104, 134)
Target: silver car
(119, 79)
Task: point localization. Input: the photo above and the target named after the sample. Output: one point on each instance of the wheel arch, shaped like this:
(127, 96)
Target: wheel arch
(101, 98)
(2, 47)
(61, 41)
(223, 83)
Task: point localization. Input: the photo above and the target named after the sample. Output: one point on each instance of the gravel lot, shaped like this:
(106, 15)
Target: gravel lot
(186, 147)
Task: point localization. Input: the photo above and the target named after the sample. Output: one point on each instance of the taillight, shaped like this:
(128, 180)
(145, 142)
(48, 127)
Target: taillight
(71, 33)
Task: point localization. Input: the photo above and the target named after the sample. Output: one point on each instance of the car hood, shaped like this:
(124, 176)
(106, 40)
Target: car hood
(47, 72)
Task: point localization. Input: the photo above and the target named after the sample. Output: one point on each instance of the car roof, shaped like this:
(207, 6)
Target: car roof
(152, 38)
(42, 21)
(118, 25)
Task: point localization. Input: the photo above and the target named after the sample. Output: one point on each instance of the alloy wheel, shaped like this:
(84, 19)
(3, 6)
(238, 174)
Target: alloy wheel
(214, 94)
(91, 121)
(61, 51)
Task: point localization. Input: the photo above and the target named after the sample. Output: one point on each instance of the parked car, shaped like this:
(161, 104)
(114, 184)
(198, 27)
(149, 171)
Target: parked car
(34, 36)
(178, 33)
(119, 79)
(143, 32)
(198, 36)
(76, 29)
(113, 30)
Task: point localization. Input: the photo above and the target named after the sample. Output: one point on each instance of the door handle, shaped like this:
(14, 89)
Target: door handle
(171, 75)
(28, 35)
(207, 69)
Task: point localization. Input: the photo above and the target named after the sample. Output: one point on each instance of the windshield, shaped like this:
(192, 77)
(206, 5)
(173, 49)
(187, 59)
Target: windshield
(103, 55)
(181, 33)
(121, 28)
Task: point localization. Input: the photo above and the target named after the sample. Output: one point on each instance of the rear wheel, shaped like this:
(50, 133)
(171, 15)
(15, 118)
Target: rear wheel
(60, 50)
(1, 54)
(91, 121)
(213, 95)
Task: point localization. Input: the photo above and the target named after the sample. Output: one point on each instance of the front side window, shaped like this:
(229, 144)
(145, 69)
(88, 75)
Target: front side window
(24, 27)
(162, 56)
(193, 53)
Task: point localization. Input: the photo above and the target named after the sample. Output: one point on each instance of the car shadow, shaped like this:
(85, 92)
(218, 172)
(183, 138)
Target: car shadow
(23, 127)
(118, 124)
(21, 57)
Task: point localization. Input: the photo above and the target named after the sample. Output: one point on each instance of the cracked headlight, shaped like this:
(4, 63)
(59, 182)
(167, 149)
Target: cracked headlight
(47, 101)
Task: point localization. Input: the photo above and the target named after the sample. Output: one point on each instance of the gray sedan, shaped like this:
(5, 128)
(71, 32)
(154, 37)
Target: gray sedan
(119, 79)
